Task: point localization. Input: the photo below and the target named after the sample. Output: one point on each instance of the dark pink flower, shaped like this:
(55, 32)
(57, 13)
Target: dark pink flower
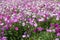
(35, 30)
(57, 29)
(38, 29)
(56, 25)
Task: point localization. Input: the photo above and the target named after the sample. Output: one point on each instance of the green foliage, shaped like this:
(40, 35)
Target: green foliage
(12, 34)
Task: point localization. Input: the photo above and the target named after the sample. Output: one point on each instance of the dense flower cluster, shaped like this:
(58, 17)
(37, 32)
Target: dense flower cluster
(28, 12)
(55, 28)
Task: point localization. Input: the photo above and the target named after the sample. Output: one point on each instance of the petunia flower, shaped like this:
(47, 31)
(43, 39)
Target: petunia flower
(35, 30)
(40, 28)
(58, 34)
(48, 30)
(4, 38)
(16, 28)
(56, 25)
(57, 39)
(23, 36)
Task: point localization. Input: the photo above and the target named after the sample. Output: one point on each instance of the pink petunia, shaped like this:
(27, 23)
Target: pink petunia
(16, 28)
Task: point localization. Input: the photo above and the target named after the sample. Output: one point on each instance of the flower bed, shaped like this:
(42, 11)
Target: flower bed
(29, 20)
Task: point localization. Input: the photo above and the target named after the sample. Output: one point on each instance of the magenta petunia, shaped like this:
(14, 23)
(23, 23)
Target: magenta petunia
(40, 28)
